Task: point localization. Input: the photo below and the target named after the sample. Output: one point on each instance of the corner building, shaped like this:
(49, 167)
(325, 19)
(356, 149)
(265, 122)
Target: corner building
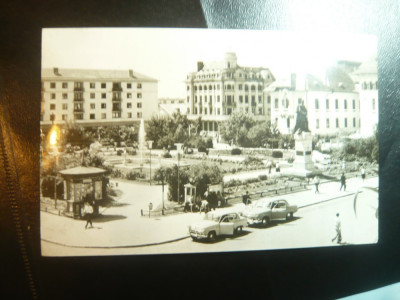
(97, 97)
(218, 89)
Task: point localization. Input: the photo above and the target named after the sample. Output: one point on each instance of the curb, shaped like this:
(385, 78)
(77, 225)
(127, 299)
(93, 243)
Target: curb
(116, 247)
(315, 203)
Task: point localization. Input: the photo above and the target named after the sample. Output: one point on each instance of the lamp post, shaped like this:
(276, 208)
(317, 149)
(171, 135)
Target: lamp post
(150, 146)
(178, 149)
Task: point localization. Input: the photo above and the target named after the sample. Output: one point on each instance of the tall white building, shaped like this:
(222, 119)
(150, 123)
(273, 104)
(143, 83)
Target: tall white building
(366, 82)
(218, 89)
(97, 97)
(333, 104)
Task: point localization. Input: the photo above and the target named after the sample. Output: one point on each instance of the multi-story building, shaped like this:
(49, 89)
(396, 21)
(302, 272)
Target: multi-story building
(218, 89)
(333, 105)
(366, 82)
(97, 97)
(168, 106)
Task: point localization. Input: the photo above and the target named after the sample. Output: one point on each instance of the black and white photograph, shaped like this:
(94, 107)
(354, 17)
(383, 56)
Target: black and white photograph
(170, 141)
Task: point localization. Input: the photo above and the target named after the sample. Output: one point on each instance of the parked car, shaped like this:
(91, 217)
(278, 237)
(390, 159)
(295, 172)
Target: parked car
(217, 224)
(264, 211)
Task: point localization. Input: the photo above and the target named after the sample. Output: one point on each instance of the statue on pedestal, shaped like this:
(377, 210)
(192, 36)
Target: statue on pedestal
(301, 119)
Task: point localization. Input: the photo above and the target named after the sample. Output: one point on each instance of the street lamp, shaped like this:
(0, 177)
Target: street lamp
(178, 149)
(150, 146)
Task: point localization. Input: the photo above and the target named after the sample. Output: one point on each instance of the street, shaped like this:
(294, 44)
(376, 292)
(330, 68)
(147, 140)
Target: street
(312, 226)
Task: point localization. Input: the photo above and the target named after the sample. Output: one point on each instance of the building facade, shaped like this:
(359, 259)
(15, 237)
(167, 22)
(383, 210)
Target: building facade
(168, 106)
(333, 105)
(97, 97)
(366, 82)
(218, 89)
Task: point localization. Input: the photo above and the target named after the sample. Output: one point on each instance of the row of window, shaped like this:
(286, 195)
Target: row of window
(206, 111)
(103, 116)
(369, 85)
(93, 105)
(337, 124)
(64, 96)
(228, 75)
(227, 87)
(103, 85)
(285, 103)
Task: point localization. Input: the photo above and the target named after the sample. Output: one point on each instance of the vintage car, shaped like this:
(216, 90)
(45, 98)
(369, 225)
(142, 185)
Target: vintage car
(264, 211)
(216, 224)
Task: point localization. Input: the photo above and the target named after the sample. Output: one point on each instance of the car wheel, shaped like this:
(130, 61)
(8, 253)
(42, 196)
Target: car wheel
(212, 236)
(265, 221)
(238, 230)
(194, 238)
(289, 216)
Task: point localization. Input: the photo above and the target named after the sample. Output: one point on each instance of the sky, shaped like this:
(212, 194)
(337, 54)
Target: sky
(168, 55)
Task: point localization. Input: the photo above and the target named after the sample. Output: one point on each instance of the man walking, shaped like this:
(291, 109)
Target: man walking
(343, 182)
(338, 228)
(316, 183)
(363, 173)
(88, 215)
(246, 198)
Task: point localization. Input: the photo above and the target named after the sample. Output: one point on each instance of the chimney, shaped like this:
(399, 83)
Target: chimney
(55, 70)
(293, 81)
(131, 74)
(200, 66)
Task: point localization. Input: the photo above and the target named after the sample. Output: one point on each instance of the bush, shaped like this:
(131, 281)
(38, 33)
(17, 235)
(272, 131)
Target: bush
(116, 173)
(133, 175)
(236, 151)
(263, 177)
(119, 152)
(167, 155)
(277, 154)
(202, 149)
(290, 160)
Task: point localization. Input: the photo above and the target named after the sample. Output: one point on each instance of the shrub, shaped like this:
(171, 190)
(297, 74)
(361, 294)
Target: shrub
(290, 160)
(116, 173)
(277, 154)
(133, 175)
(236, 151)
(167, 155)
(202, 149)
(263, 177)
(119, 152)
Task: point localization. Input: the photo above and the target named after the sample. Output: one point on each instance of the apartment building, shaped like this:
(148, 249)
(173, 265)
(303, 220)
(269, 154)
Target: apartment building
(97, 97)
(218, 89)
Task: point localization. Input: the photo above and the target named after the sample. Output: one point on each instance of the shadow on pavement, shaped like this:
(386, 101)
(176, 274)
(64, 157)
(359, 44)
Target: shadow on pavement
(220, 239)
(274, 223)
(108, 218)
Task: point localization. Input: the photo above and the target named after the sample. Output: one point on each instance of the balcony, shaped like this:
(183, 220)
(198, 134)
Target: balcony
(78, 109)
(116, 97)
(78, 87)
(117, 87)
(78, 99)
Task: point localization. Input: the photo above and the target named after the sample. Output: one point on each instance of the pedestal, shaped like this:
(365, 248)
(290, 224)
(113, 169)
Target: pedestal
(303, 165)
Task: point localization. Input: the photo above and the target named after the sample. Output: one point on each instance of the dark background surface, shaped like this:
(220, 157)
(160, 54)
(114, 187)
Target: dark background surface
(317, 273)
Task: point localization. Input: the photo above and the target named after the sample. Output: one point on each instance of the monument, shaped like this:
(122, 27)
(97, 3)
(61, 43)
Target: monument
(303, 165)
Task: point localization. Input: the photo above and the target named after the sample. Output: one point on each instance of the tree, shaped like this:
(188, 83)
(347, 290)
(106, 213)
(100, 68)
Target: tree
(201, 175)
(237, 128)
(76, 135)
(172, 180)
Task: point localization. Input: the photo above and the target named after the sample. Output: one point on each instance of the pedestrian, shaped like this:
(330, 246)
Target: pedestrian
(343, 182)
(269, 167)
(88, 214)
(246, 198)
(204, 206)
(338, 228)
(363, 173)
(188, 204)
(316, 183)
(277, 167)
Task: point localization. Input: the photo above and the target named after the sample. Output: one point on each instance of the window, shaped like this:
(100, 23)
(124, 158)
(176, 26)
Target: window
(288, 122)
(327, 123)
(65, 106)
(139, 85)
(205, 99)
(269, 100)
(218, 98)
(103, 95)
(240, 87)
(103, 116)
(129, 85)
(317, 123)
(354, 104)
(354, 122)
(65, 85)
(210, 98)
(259, 99)
(92, 116)
(205, 111)
(52, 85)
(327, 104)
(253, 100)
(65, 96)
(373, 104)
(52, 96)
(205, 88)
(195, 99)
(188, 87)
(260, 111)
(64, 117)
(253, 87)
(139, 105)
(187, 99)
(52, 106)
(345, 103)
(92, 95)
(103, 85)
(139, 95)
(345, 122)
(276, 103)
(92, 106)
(116, 115)
(337, 123)
(78, 116)
(336, 104)
(129, 105)
(103, 105)
(93, 85)
(246, 99)
(240, 99)
(139, 114)
(316, 104)
(219, 111)
(129, 115)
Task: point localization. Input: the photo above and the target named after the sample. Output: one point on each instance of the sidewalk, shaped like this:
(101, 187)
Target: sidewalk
(122, 226)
